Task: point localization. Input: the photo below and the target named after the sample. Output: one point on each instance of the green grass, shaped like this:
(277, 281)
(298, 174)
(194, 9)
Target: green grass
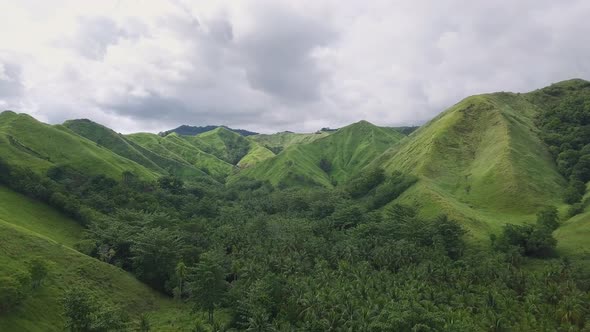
(230, 147)
(283, 140)
(481, 162)
(126, 148)
(27, 142)
(348, 150)
(37, 218)
(178, 148)
(256, 154)
(216, 152)
(573, 236)
(30, 230)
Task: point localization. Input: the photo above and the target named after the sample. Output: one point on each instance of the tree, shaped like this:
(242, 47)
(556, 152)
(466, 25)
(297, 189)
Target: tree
(548, 217)
(172, 184)
(363, 184)
(85, 313)
(181, 272)
(451, 235)
(154, 253)
(208, 285)
(78, 309)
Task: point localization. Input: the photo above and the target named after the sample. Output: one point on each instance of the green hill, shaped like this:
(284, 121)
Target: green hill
(30, 230)
(124, 147)
(328, 160)
(481, 161)
(27, 142)
(230, 146)
(216, 152)
(280, 141)
(179, 149)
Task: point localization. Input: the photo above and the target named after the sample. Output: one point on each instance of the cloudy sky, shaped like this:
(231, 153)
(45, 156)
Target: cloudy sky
(149, 65)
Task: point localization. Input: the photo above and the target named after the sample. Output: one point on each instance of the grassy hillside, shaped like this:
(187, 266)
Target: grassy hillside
(255, 155)
(215, 152)
(28, 142)
(280, 141)
(481, 161)
(31, 230)
(328, 160)
(179, 149)
(230, 147)
(124, 147)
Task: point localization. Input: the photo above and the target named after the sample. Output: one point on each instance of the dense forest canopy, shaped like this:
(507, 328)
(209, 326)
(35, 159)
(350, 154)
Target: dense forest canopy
(310, 259)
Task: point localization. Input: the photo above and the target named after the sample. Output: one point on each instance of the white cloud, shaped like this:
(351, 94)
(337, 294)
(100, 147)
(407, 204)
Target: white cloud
(276, 65)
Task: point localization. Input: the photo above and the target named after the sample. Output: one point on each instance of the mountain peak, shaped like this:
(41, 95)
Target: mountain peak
(186, 130)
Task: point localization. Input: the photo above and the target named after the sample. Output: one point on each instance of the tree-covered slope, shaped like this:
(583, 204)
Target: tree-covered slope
(27, 142)
(328, 160)
(30, 230)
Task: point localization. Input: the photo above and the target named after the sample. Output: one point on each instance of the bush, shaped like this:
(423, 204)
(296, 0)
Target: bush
(575, 209)
(85, 313)
(391, 189)
(13, 291)
(325, 165)
(532, 240)
(363, 184)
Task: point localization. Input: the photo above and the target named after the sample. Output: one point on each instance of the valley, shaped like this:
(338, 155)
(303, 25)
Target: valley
(462, 224)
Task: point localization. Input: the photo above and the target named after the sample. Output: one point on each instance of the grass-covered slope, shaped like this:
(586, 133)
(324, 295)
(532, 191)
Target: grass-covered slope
(230, 147)
(124, 147)
(31, 230)
(480, 161)
(179, 149)
(326, 161)
(280, 141)
(27, 142)
(256, 154)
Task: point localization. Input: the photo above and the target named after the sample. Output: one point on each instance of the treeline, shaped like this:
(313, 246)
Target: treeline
(309, 258)
(565, 128)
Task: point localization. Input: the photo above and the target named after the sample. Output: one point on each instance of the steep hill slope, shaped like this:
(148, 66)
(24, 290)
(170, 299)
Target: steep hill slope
(216, 152)
(28, 142)
(229, 146)
(328, 160)
(124, 147)
(179, 149)
(480, 161)
(280, 141)
(30, 230)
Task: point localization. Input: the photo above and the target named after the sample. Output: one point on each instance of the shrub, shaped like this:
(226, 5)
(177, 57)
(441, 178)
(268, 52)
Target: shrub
(12, 292)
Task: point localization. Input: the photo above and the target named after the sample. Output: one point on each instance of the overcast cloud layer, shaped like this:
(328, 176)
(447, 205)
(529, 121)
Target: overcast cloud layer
(296, 65)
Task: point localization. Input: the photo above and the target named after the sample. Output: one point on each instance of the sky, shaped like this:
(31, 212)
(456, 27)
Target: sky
(269, 66)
